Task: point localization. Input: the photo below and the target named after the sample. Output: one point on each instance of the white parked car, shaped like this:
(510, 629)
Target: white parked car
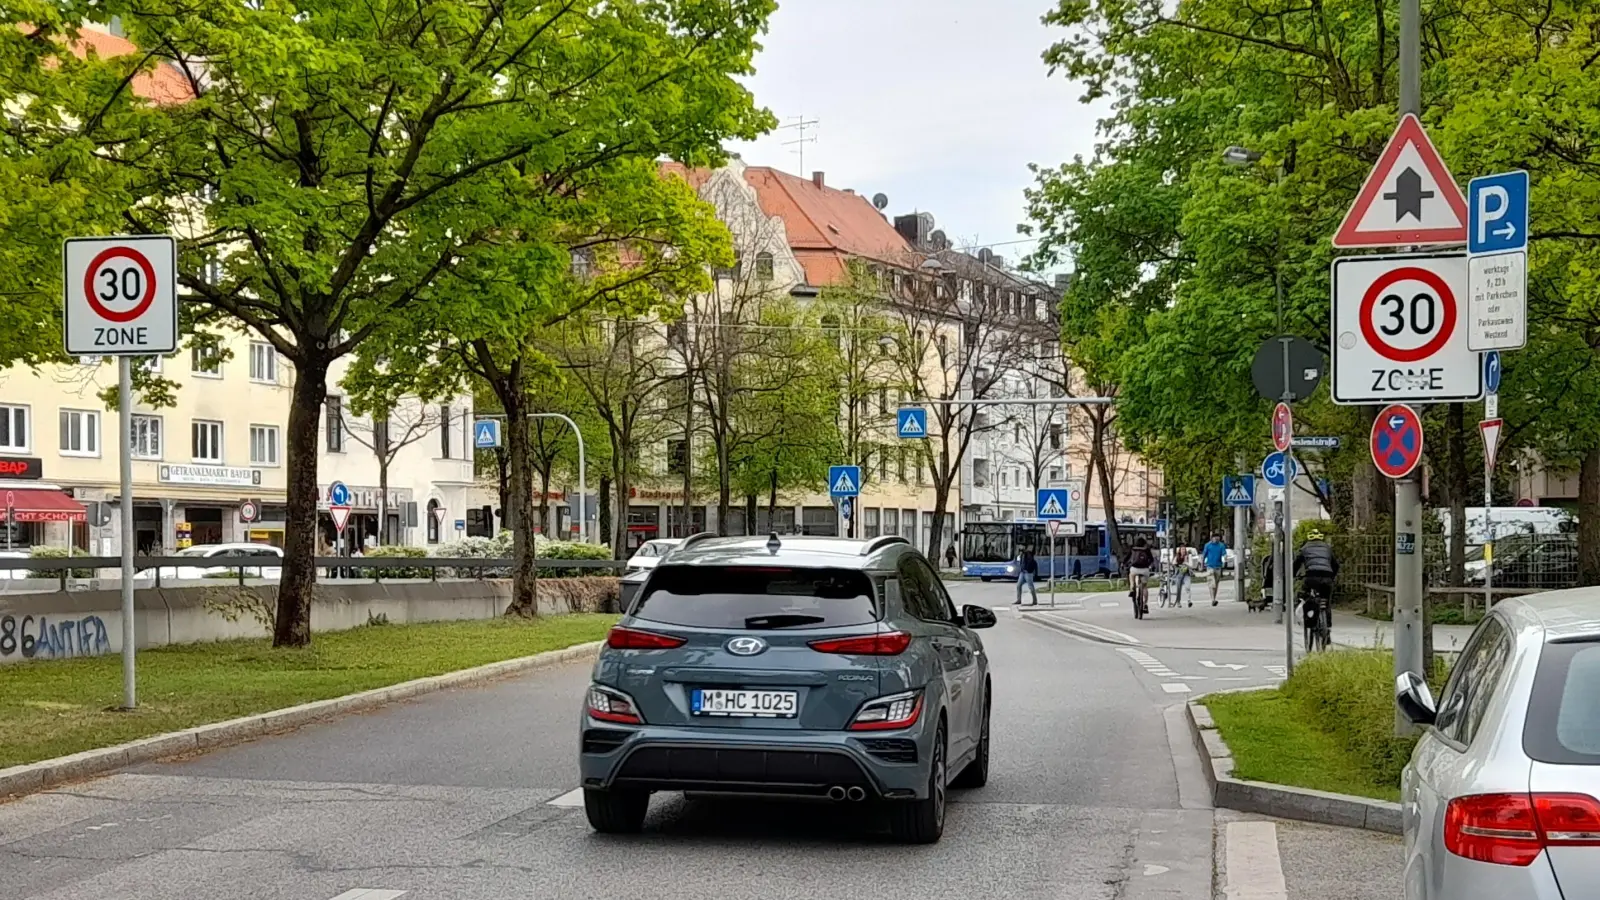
(210, 561)
(1501, 798)
(650, 554)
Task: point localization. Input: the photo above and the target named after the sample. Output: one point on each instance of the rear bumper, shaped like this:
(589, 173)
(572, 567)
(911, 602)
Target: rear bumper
(889, 765)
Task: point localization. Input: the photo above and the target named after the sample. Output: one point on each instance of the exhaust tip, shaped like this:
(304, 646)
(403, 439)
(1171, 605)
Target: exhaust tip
(856, 793)
(836, 793)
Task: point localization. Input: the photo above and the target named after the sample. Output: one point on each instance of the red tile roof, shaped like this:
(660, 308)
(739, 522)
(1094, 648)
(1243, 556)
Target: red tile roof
(827, 227)
(162, 84)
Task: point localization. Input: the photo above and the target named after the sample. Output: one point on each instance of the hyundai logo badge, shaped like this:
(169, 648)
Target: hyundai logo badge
(746, 646)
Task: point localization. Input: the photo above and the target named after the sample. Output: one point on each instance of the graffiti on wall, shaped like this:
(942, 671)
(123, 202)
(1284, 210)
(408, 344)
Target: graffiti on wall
(28, 637)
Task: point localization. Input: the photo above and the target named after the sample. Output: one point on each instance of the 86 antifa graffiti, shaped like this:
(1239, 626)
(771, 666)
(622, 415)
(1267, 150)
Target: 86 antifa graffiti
(41, 638)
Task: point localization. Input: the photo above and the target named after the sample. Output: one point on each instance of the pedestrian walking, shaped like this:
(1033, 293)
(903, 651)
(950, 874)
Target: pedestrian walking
(1027, 574)
(1216, 555)
(950, 556)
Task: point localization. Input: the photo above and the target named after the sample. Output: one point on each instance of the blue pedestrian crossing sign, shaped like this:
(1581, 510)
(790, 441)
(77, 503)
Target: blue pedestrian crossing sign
(844, 481)
(1052, 504)
(486, 434)
(1238, 490)
(912, 422)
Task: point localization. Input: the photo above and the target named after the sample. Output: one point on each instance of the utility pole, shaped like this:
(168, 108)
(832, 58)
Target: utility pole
(1408, 624)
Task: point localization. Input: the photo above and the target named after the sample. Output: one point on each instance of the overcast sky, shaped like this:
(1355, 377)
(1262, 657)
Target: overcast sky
(940, 104)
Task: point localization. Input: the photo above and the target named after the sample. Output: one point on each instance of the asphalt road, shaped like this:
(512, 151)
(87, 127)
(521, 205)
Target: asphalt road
(467, 795)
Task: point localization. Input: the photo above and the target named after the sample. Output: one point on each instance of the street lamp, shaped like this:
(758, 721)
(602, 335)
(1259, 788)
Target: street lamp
(1239, 156)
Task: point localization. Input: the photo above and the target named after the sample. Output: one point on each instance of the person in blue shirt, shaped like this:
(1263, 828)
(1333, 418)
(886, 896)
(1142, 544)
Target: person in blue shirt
(1215, 553)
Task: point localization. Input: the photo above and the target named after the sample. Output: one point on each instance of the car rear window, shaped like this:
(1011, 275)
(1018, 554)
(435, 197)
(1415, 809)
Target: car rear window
(1563, 724)
(757, 597)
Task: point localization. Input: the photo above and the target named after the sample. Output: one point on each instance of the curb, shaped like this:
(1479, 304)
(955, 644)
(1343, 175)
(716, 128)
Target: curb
(31, 777)
(1085, 630)
(1281, 801)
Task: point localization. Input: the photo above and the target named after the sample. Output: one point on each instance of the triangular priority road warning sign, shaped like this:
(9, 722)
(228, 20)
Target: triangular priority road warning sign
(1490, 430)
(1408, 199)
(843, 485)
(1237, 493)
(341, 516)
(1052, 507)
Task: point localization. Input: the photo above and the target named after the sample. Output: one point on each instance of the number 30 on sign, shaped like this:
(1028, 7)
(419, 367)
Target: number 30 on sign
(1400, 332)
(120, 295)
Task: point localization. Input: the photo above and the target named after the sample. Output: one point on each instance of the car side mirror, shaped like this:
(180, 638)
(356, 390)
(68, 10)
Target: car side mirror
(978, 616)
(1411, 694)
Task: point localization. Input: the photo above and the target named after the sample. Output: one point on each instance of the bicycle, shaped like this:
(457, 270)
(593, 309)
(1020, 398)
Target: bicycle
(1140, 593)
(1317, 617)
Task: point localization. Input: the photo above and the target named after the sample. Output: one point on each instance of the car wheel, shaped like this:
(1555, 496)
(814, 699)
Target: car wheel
(615, 811)
(976, 774)
(922, 821)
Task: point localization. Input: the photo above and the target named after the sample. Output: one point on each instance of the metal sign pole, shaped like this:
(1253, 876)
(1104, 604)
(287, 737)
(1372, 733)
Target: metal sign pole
(125, 455)
(1488, 546)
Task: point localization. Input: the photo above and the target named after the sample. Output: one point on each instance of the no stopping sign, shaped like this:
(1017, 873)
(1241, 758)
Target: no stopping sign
(1398, 332)
(120, 295)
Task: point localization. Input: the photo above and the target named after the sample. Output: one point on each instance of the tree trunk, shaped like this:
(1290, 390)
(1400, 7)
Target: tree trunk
(383, 501)
(503, 465)
(544, 501)
(1455, 423)
(620, 550)
(772, 503)
(936, 535)
(1589, 518)
(724, 486)
(524, 572)
(291, 626)
(1367, 489)
(603, 530)
(1108, 500)
(749, 514)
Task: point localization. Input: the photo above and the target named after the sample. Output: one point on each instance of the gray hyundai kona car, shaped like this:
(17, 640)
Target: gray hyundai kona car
(797, 667)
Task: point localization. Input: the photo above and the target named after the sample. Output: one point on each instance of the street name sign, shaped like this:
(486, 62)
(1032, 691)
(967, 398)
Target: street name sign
(120, 295)
(1399, 332)
(1409, 198)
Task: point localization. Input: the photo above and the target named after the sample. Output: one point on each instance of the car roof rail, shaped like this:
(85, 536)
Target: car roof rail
(882, 541)
(691, 540)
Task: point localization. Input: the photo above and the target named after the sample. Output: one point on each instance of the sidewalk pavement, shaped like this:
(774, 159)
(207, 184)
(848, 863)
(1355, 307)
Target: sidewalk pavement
(1227, 626)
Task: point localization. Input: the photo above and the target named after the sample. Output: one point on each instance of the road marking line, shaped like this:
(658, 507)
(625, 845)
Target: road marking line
(1192, 677)
(1255, 872)
(1175, 687)
(369, 894)
(1110, 604)
(571, 799)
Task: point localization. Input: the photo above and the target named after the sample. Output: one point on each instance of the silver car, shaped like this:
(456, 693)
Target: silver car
(1499, 800)
(818, 668)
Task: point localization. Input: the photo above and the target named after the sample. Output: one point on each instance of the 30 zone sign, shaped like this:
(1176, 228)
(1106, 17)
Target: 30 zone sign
(1399, 332)
(120, 295)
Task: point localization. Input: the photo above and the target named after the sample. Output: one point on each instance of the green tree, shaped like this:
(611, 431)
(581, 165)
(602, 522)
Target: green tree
(346, 167)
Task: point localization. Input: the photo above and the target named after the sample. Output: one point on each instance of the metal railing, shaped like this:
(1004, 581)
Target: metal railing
(1522, 563)
(333, 568)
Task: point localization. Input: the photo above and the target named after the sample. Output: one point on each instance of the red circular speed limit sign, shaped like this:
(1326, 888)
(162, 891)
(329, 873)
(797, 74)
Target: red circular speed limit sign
(120, 284)
(1408, 314)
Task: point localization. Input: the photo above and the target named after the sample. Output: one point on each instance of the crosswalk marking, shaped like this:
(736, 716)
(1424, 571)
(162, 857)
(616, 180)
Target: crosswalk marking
(571, 799)
(1175, 687)
(369, 894)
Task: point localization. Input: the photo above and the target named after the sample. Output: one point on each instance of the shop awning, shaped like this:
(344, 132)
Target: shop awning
(37, 505)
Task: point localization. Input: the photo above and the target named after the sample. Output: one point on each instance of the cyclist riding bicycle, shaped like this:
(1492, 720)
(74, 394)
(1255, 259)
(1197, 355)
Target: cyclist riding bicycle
(1319, 567)
(1138, 563)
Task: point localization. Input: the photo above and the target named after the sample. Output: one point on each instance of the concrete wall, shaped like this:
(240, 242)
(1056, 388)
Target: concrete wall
(89, 623)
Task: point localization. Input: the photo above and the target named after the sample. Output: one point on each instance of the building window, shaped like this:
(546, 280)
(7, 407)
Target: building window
(335, 427)
(1055, 435)
(206, 360)
(677, 456)
(764, 267)
(1005, 477)
(13, 427)
(883, 465)
(263, 362)
(263, 445)
(944, 346)
(145, 439)
(433, 518)
(80, 432)
(207, 441)
(444, 432)
(883, 401)
(1055, 475)
(1016, 433)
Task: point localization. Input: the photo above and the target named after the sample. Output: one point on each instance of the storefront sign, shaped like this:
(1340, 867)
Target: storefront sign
(366, 498)
(220, 476)
(28, 467)
(647, 494)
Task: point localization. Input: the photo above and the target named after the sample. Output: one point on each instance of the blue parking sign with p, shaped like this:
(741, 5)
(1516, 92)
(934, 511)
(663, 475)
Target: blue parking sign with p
(1497, 213)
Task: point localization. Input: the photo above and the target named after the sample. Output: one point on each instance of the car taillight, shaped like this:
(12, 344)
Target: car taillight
(622, 638)
(609, 705)
(889, 643)
(888, 713)
(1513, 829)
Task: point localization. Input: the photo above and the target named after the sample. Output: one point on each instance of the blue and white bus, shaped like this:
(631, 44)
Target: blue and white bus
(989, 550)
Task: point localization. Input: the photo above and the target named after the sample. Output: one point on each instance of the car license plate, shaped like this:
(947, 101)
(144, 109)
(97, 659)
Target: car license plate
(721, 702)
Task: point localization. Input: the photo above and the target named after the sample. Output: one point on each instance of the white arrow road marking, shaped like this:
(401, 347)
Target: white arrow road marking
(1211, 665)
(1151, 869)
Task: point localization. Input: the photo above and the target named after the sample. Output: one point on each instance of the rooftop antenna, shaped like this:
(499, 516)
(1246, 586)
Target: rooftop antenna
(800, 124)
